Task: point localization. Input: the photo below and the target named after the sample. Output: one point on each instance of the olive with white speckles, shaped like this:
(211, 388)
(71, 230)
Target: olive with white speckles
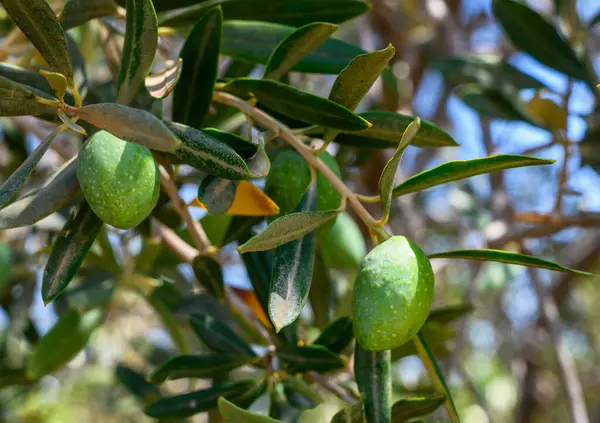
(119, 179)
(392, 294)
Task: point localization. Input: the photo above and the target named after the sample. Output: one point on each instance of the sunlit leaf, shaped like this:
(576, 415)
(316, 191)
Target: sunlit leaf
(57, 81)
(162, 82)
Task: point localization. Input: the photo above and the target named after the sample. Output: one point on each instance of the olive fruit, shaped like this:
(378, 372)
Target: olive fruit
(392, 294)
(343, 246)
(119, 180)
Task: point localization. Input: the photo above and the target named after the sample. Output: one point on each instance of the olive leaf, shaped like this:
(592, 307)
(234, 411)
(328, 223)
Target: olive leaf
(337, 336)
(69, 250)
(78, 12)
(350, 414)
(409, 408)
(199, 366)
(216, 194)
(16, 180)
(141, 41)
(218, 336)
(507, 257)
(242, 146)
(461, 169)
(314, 358)
(137, 385)
(57, 81)
(234, 414)
(200, 55)
(209, 274)
(20, 100)
(295, 46)
(38, 22)
(373, 376)
(162, 82)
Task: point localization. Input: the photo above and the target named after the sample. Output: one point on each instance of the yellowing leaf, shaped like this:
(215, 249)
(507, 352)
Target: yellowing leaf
(57, 81)
(548, 112)
(248, 201)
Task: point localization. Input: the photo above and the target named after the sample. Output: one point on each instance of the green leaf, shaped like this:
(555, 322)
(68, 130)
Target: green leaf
(449, 313)
(162, 5)
(34, 206)
(20, 100)
(297, 104)
(300, 394)
(295, 46)
(69, 250)
(186, 405)
(350, 414)
(287, 228)
(461, 169)
(293, 265)
(234, 414)
(162, 82)
(254, 42)
(410, 408)
(94, 292)
(373, 376)
(436, 375)
(337, 336)
(137, 385)
(218, 336)
(199, 366)
(216, 194)
(216, 228)
(200, 55)
(38, 22)
(203, 152)
(494, 104)
(78, 12)
(31, 80)
(242, 146)
(12, 377)
(57, 82)
(133, 125)
(506, 257)
(15, 181)
(388, 175)
(141, 41)
(387, 131)
(533, 34)
(282, 11)
(208, 272)
(315, 358)
(66, 338)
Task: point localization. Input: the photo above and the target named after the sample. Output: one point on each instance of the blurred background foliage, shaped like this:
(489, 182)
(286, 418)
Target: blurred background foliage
(508, 360)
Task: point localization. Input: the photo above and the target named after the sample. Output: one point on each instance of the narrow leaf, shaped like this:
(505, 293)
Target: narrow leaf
(216, 194)
(309, 358)
(162, 82)
(38, 22)
(137, 385)
(297, 104)
(254, 42)
(218, 336)
(507, 257)
(78, 12)
(461, 169)
(234, 414)
(242, 146)
(300, 394)
(534, 35)
(200, 55)
(350, 414)
(20, 100)
(67, 337)
(295, 46)
(209, 274)
(133, 125)
(15, 181)
(410, 408)
(449, 313)
(42, 202)
(373, 376)
(31, 80)
(337, 336)
(495, 104)
(388, 175)
(199, 366)
(187, 405)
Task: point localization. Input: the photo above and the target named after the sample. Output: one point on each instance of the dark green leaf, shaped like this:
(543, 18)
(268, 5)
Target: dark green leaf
(410, 408)
(218, 336)
(38, 22)
(234, 414)
(12, 377)
(494, 104)
(216, 194)
(242, 146)
(198, 401)
(293, 265)
(253, 42)
(461, 169)
(141, 41)
(315, 358)
(15, 181)
(506, 257)
(20, 100)
(373, 376)
(199, 366)
(337, 336)
(287, 181)
(322, 294)
(449, 313)
(216, 228)
(34, 206)
(79, 68)
(387, 131)
(162, 82)
(69, 250)
(297, 104)
(300, 394)
(30, 80)
(78, 12)
(66, 338)
(350, 414)
(533, 34)
(295, 46)
(162, 5)
(137, 385)
(282, 11)
(208, 272)
(200, 55)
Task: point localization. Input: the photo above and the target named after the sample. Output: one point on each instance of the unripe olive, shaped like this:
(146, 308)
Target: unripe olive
(343, 246)
(392, 294)
(119, 180)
